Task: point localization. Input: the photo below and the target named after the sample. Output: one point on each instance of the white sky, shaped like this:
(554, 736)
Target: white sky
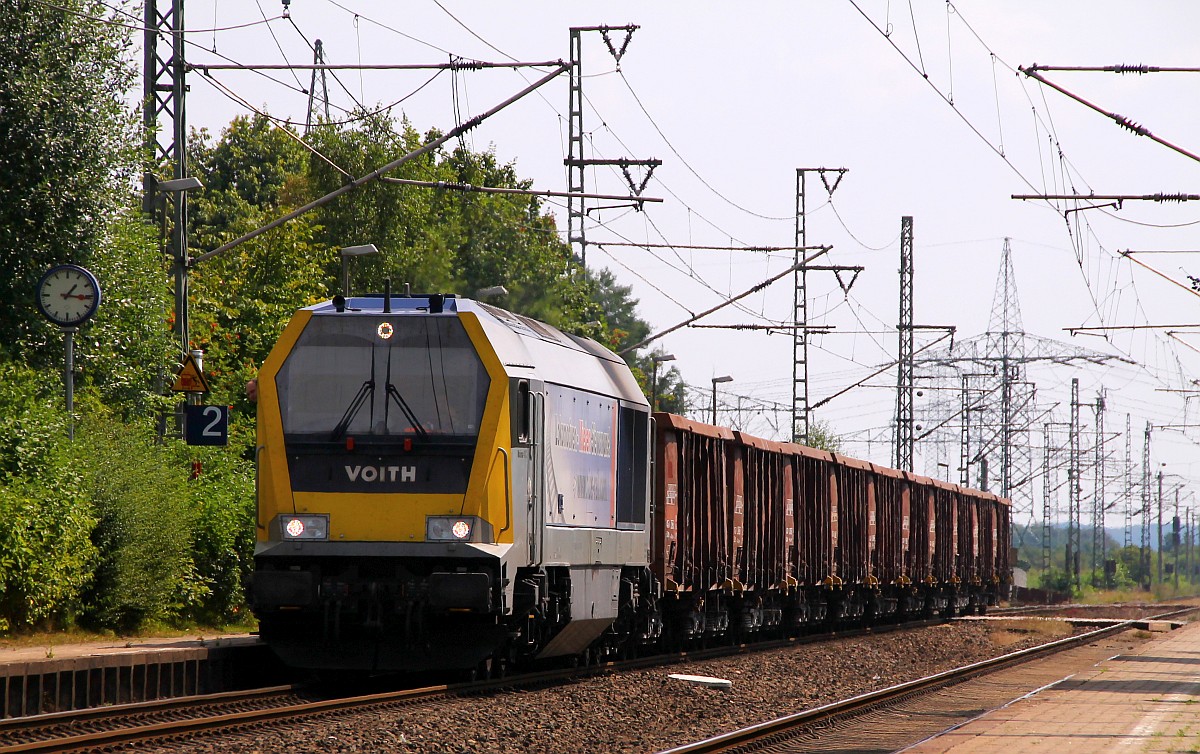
(736, 96)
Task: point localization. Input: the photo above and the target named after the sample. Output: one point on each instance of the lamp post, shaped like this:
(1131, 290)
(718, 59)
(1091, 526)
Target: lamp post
(353, 251)
(657, 359)
(715, 380)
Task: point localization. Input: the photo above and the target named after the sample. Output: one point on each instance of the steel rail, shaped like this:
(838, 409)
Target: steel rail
(227, 721)
(785, 726)
(240, 720)
(11, 726)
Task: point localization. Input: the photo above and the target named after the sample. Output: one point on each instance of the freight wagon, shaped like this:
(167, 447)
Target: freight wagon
(753, 535)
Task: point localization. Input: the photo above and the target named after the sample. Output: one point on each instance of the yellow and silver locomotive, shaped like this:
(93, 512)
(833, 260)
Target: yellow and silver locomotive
(442, 483)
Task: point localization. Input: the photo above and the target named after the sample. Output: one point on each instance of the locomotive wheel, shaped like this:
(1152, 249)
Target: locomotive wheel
(483, 671)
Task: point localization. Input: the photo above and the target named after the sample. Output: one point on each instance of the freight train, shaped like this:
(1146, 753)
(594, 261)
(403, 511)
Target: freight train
(443, 484)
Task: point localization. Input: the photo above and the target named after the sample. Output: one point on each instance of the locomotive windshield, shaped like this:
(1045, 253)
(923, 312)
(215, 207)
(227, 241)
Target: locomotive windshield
(379, 377)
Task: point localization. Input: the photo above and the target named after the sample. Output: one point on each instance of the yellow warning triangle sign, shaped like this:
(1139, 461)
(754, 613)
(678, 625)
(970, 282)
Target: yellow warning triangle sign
(190, 380)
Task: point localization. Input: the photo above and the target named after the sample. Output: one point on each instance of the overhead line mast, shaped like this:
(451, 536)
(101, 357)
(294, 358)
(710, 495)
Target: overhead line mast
(164, 123)
(1074, 489)
(319, 67)
(576, 163)
(904, 358)
(1145, 548)
(801, 409)
(1099, 542)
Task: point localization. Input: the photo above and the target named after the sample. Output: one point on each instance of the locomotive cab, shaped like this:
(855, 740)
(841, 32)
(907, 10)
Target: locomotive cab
(408, 498)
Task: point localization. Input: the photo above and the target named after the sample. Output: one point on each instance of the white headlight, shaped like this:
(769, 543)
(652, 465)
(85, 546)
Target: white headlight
(305, 526)
(457, 529)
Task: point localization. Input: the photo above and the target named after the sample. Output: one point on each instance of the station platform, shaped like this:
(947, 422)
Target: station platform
(1147, 702)
(53, 678)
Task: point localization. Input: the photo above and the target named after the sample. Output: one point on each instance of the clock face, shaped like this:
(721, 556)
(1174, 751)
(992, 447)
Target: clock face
(68, 295)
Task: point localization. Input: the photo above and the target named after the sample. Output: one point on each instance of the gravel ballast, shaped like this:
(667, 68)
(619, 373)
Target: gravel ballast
(645, 710)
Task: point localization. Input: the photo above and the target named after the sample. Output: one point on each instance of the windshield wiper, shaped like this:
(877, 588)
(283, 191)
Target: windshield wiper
(394, 395)
(364, 392)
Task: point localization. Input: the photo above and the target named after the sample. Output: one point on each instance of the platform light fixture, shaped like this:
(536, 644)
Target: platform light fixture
(657, 359)
(716, 380)
(178, 184)
(492, 291)
(353, 251)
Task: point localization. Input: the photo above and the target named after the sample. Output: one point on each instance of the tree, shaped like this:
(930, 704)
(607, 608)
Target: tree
(822, 436)
(241, 300)
(442, 240)
(69, 151)
(123, 352)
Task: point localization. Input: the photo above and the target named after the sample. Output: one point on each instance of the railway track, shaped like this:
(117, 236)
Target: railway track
(97, 726)
(174, 719)
(166, 721)
(880, 720)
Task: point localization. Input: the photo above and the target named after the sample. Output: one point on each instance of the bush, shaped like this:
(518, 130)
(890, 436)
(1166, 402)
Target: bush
(223, 542)
(145, 518)
(46, 555)
(32, 419)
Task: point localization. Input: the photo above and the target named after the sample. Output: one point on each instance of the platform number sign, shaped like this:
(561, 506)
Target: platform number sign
(206, 425)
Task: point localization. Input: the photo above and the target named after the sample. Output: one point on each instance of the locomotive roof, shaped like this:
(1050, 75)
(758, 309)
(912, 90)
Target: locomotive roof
(526, 347)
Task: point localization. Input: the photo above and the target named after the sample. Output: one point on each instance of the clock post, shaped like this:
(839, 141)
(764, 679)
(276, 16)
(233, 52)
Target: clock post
(68, 295)
(69, 338)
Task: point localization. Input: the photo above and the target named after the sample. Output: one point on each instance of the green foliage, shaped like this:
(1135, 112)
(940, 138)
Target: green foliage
(46, 556)
(444, 240)
(109, 529)
(144, 527)
(821, 435)
(32, 419)
(223, 541)
(1057, 581)
(1132, 569)
(68, 152)
(114, 529)
(242, 299)
(123, 352)
(620, 311)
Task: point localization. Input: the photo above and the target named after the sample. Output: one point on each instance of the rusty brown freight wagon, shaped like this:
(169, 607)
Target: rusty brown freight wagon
(752, 535)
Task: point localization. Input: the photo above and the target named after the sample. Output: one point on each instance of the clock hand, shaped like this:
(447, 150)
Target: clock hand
(68, 293)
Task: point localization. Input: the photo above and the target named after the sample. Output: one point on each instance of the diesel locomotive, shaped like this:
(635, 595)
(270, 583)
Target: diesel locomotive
(443, 484)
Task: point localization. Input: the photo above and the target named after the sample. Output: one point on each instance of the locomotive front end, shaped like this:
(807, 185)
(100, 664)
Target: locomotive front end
(383, 504)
